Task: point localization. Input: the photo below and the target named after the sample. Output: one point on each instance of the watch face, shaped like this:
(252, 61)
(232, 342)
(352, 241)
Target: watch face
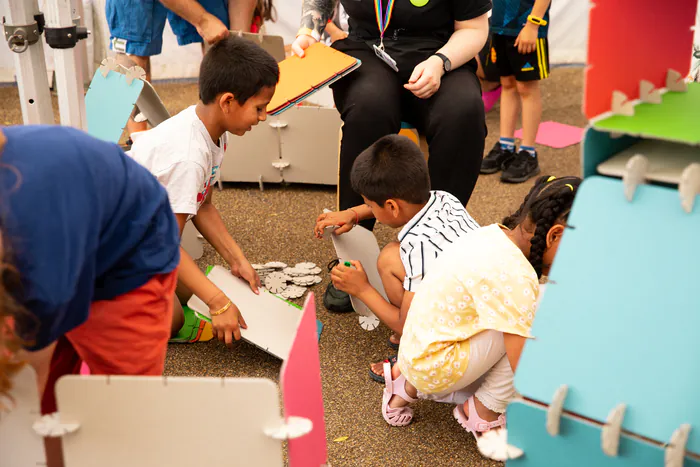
(448, 64)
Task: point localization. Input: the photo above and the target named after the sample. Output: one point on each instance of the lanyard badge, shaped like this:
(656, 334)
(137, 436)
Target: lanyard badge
(383, 22)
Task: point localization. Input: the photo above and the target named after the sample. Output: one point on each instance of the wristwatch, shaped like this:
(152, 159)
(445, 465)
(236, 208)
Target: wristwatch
(446, 63)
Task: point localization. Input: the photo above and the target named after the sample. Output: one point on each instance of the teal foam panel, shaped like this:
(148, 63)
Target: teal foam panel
(109, 103)
(620, 322)
(577, 445)
(599, 146)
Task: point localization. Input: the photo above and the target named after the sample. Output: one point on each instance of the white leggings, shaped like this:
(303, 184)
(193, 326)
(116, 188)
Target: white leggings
(488, 376)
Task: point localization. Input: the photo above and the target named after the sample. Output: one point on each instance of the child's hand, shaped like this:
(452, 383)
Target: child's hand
(338, 36)
(212, 29)
(351, 280)
(227, 326)
(344, 219)
(245, 271)
(526, 41)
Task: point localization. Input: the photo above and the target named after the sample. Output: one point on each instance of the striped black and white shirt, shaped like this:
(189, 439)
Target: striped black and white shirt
(441, 221)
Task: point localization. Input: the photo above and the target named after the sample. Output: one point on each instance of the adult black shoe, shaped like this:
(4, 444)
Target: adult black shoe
(523, 167)
(336, 300)
(497, 159)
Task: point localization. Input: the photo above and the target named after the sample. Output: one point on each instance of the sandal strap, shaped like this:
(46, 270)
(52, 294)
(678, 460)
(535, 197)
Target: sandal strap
(479, 423)
(398, 385)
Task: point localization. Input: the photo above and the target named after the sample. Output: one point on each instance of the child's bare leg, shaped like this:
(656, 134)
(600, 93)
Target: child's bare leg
(145, 63)
(481, 410)
(510, 105)
(392, 272)
(182, 296)
(532, 110)
(396, 401)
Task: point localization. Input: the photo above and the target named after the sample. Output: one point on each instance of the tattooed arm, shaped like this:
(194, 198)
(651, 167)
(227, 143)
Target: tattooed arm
(315, 14)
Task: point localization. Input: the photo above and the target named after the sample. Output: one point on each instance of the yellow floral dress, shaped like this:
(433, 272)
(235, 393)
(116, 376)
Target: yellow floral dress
(483, 281)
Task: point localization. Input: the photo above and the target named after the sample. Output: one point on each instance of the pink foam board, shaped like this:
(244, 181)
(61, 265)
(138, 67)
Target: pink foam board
(301, 391)
(556, 135)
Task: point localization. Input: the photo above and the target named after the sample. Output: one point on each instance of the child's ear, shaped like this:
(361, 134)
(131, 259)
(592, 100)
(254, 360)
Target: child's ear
(393, 207)
(554, 235)
(226, 100)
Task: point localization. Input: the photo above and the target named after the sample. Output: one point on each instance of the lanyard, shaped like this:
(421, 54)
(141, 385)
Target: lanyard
(383, 21)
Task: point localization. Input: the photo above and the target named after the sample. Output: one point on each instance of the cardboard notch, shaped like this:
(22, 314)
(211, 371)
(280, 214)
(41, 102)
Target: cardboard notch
(555, 410)
(621, 105)
(610, 434)
(689, 186)
(675, 81)
(674, 454)
(635, 174)
(648, 94)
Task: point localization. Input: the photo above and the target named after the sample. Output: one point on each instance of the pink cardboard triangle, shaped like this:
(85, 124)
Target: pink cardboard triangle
(301, 391)
(556, 135)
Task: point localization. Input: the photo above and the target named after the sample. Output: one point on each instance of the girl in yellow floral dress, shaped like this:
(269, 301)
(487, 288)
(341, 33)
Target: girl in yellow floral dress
(470, 318)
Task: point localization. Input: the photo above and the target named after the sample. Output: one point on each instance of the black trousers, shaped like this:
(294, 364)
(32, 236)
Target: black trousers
(373, 102)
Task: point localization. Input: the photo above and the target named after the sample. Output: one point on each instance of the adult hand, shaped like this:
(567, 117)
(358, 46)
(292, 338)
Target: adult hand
(212, 29)
(351, 280)
(242, 268)
(526, 41)
(338, 36)
(344, 219)
(301, 43)
(227, 326)
(426, 76)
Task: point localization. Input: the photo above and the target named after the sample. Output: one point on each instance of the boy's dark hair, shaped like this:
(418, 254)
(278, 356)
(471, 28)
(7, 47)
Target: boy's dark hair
(549, 201)
(236, 65)
(392, 168)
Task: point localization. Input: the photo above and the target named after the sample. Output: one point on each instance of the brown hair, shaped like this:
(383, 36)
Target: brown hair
(265, 10)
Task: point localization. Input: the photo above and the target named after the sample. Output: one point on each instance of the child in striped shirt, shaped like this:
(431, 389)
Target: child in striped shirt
(392, 177)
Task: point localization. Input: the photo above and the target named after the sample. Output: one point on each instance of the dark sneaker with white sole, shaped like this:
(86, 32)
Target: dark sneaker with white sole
(521, 168)
(496, 159)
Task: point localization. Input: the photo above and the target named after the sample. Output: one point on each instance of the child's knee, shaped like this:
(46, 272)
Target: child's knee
(527, 88)
(389, 258)
(508, 83)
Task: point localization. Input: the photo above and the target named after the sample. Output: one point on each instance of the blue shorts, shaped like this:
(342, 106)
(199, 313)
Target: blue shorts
(136, 26)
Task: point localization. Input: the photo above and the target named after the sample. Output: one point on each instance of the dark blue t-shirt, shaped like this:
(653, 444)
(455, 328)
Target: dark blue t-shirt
(509, 16)
(83, 222)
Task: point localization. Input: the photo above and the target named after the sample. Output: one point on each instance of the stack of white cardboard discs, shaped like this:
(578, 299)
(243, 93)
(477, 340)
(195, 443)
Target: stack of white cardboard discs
(277, 277)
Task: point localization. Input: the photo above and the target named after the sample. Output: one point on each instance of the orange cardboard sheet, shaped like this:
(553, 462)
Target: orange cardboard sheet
(299, 77)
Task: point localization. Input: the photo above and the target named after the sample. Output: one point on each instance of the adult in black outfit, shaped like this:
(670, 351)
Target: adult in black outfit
(433, 43)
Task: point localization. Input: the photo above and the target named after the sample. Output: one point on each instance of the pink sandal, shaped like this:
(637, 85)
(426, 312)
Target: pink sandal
(474, 423)
(399, 416)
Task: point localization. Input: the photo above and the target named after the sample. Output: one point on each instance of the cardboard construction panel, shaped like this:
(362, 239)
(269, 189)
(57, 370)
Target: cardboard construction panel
(250, 157)
(309, 144)
(19, 444)
(577, 445)
(274, 45)
(361, 245)
(190, 241)
(599, 146)
(620, 320)
(144, 421)
(301, 389)
(676, 119)
(108, 104)
(151, 106)
(272, 323)
(619, 58)
(300, 76)
(666, 160)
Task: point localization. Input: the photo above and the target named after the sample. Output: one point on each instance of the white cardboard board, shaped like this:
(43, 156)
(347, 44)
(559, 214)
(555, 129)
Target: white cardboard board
(272, 322)
(19, 444)
(359, 244)
(191, 242)
(667, 160)
(140, 421)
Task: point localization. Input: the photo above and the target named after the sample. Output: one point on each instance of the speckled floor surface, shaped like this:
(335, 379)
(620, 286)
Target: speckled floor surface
(276, 224)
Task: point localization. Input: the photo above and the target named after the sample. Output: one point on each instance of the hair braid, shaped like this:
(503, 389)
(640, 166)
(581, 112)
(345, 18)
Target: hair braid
(515, 218)
(544, 214)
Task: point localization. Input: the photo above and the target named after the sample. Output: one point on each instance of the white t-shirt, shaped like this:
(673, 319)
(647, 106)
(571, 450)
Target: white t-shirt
(183, 157)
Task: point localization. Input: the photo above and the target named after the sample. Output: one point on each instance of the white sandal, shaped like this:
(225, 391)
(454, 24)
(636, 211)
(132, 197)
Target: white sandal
(398, 416)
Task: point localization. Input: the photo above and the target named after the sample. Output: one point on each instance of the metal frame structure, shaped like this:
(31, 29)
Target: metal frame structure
(23, 25)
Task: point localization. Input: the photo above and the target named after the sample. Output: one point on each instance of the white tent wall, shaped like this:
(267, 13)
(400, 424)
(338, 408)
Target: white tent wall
(568, 37)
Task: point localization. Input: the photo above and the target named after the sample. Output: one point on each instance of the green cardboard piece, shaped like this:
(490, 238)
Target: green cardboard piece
(676, 119)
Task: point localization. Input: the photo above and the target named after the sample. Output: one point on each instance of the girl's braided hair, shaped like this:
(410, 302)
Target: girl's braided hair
(548, 202)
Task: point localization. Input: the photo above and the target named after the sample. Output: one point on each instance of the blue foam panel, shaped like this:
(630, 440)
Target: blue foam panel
(620, 322)
(577, 445)
(109, 103)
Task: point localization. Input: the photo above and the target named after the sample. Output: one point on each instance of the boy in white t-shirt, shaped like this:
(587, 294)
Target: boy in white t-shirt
(237, 79)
